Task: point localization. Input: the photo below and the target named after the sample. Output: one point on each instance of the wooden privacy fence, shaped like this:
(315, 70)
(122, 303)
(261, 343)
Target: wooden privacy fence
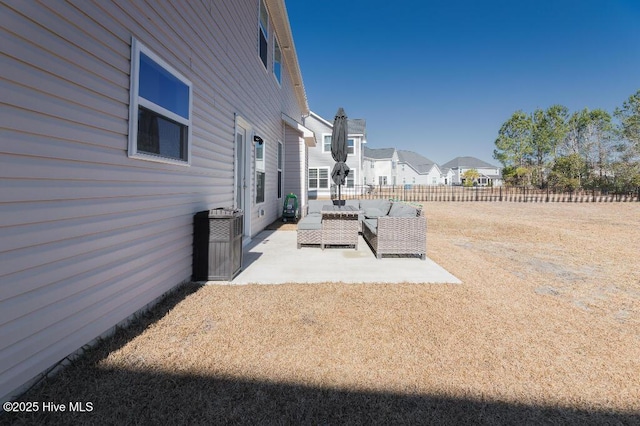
(500, 193)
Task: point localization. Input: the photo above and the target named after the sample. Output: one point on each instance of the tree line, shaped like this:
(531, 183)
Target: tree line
(586, 149)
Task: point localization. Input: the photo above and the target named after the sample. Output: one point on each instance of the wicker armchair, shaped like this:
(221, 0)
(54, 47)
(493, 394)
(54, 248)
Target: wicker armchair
(397, 235)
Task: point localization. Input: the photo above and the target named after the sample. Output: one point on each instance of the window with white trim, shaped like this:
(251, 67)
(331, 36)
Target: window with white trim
(318, 178)
(326, 143)
(351, 146)
(159, 109)
(277, 61)
(351, 179)
(263, 33)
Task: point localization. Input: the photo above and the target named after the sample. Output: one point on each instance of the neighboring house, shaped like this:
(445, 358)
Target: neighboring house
(119, 122)
(379, 166)
(489, 174)
(321, 162)
(414, 168)
(446, 176)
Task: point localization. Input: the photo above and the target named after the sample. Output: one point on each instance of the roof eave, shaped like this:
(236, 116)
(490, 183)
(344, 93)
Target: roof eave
(280, 18)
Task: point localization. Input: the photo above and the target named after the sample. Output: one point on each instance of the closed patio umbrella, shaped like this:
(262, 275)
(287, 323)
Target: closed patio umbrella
(339, 150)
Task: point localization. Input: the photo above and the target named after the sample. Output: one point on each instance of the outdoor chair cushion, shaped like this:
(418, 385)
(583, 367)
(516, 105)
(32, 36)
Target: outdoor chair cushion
(402, 210)
(315, 206)
(353, 203)
(381, 204)
(372, 224)
(312, 222)
(373, 212)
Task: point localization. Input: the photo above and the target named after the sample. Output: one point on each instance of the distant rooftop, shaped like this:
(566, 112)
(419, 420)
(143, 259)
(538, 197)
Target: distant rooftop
(418, 162)
(467, 163)
(356, 126)
(378, 153)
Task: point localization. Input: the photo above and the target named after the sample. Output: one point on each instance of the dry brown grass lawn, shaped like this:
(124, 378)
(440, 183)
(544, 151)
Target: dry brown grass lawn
(544, 329)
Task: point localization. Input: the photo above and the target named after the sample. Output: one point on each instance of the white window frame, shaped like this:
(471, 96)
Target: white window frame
(264, 30)
(351, 178)
(324, 144)
(135, 101)
(274, 61)
(326, 148)
(317, 187)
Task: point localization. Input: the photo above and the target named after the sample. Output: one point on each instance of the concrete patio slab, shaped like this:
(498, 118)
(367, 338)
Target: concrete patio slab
(273, 258)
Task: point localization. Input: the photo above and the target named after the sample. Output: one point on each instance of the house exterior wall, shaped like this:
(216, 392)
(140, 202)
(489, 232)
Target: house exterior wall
(374, 168)
(408, 175)
(295, 158)
(447, 177)
(89, 235)
(321, 158)
(458, 172)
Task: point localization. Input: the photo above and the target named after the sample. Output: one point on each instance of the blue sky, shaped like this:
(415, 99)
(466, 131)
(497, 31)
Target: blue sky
(440, 77)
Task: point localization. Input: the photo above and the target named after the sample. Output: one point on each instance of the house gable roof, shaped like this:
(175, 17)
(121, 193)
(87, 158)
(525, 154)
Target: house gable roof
(419, 163)
(467, 163)
(355, 126)
(378, 153)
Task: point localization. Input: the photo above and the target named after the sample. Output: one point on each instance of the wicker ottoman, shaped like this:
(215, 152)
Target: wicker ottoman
(310, 230)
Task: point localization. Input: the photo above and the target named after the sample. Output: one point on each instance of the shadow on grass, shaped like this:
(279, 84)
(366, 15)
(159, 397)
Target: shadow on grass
(125, 396)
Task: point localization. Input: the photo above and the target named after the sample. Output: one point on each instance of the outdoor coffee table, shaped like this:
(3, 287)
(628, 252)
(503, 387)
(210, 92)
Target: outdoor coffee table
(340, 226)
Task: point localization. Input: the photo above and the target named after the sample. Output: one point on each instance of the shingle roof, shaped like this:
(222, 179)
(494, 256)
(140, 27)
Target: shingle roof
(418, 162)
(378, 153)
(467, 163)
(357, 126)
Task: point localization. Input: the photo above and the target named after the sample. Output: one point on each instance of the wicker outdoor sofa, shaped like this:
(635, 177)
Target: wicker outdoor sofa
(390, 228)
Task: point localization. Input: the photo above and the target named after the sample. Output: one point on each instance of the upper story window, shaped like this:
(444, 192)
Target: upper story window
(326, 143)
(277, 61)
(159, 109)
(263, 33)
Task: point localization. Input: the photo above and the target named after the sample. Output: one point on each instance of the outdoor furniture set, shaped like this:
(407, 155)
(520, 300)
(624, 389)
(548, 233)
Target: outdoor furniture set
(389, 227)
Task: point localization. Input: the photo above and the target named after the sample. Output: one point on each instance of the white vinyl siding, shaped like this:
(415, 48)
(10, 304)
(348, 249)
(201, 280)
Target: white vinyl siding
(89, 235)
(295, 178)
